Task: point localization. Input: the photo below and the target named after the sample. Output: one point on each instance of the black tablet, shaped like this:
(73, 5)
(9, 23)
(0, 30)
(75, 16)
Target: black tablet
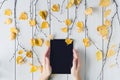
(61, 56)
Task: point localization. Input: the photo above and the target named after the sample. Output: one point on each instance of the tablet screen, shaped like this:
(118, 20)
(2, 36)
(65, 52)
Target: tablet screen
(61, 56)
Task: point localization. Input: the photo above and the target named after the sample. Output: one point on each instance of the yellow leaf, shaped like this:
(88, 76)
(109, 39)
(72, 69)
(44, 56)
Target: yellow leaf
(65, 29)
(14, 30)
(50, 36)
(111, 52)
(13, 36)
(68, 22)
(32, 22)
(8, 12)
(47, 43)
(107, 13)
(86, 42)
(68, 41)
(55, 7)
(107, 23)
(20, 51)
(99, 55)
(23, 16)
(103, 30)
(104, 3)
(43, 14)
(89, 11)
(19, 60)
(44, 25)
(77, 2)
(8, 21)
(36, 42)
(70, 4)
(40, 68)
(33, 68)
(29, 54)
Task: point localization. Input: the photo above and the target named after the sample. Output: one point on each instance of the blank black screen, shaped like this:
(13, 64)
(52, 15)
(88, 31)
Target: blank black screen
(61, 56)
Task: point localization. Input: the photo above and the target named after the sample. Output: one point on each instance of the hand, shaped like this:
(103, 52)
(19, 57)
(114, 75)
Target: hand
(46, 66)
(75, 70)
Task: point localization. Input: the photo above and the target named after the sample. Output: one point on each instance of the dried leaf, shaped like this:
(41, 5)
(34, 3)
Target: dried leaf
(80, 26)
(64, 29)
(68, 41)
(99, 55)
(8, 21)
(77, 2)
(23, 16)
(32, 23)
(68, 22)
(29, 54)
(13, 36)
(43, 14)
(86, 42)
(55, 7)
(8, 12)
(14, 30)
(44, 25)
(111, 51)
(107, 13)
(89, 11)
(104, 3)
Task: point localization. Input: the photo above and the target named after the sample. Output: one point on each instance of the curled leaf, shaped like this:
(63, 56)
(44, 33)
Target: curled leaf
(89, 11)
(43, 14)
(8, 12)
(68, 41)
(44, 25)
(23, 16)
(86, 42)
(55, 7)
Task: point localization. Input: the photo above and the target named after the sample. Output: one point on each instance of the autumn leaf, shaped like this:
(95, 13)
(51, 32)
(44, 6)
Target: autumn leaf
(8, 21)
(99, 55)
(104, 3)
(8, 12)
(55, 7)
(14, 31)
(23, 16)
(68, 41)
(50, 36)
(89, 11)
(107, 13)
(107, 23)
(103, 30)
(80, 26)
(77, 2)
(19, 60)
(47, 43)
(86, 42)
(43, 14)
(32, 22)
(33, 68)
(68, 22)
(111, 51)
(29, 54)
(20, 51)
(40, 68)
(36, 42)
(44, 25)
(64, 29)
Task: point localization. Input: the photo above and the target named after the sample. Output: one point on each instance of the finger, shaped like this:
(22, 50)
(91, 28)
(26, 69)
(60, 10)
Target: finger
(47, 53)
(44, 62)
(75, 53)
(47, 63)
(74, 63)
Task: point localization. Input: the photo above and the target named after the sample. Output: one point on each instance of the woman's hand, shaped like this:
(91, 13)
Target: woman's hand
(46, 66)
(75, 70)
